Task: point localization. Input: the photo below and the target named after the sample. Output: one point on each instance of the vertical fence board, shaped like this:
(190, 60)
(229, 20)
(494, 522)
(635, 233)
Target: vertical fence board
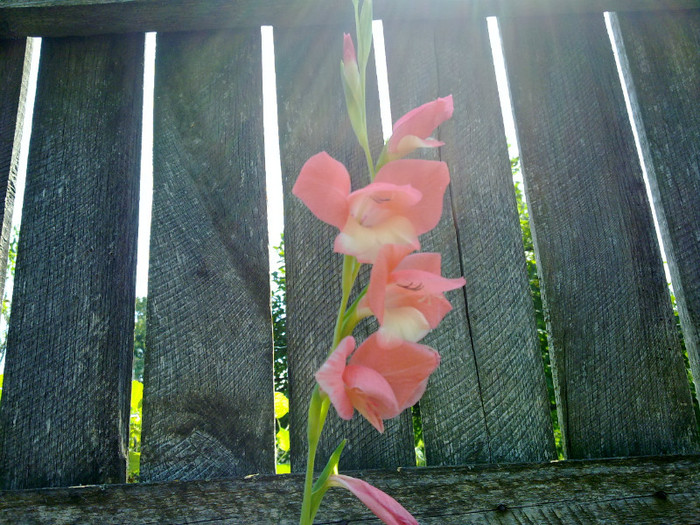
(312, 118)
(208, 405)
(621, 382)
(488, 401)
(15, 58)
(662, 67)
(65, 406)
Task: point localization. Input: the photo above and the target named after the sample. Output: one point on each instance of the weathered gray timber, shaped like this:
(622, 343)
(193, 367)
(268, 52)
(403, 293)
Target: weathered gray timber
(312, 118)
(208, 429)
(208, 399)
(15, 57)
(490, 358)
(621, 382)
(79, 17)
(642, 491)
(65, 406)
(660, 60)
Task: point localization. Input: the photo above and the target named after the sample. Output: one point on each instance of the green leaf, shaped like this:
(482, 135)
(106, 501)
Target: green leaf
(136, 395)
(283, 468)
(364, 34)
(134, 463)
(283, 439)
(321, 486)
(281, 405)
(331, 467)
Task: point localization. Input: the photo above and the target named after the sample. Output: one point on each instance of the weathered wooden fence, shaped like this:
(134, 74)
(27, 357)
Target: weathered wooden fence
(620, 380)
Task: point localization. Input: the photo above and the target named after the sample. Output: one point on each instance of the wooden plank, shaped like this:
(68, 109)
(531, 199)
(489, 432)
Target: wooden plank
(65, 405)
(643, 491)
(661, 65)
(208, 398)
(622, 387)
(488, 400)
(15, 60)
(312, 118)
(80, 17)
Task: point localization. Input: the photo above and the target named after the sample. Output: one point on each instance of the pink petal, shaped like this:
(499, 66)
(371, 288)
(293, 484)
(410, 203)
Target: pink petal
(379, 201)
(430, 178)
(365, 243)
(405, 366)
(370, 394)
(399, 302)
(324, 186)
(330, 377)
(420, 123)
(384, 506)
(426, 261)
(402, 324)
(426, 283)
(387, 259)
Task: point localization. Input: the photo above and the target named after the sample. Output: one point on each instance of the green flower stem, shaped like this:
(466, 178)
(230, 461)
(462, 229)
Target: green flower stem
(320, 402)
(318, 410)
(370, 163)
(350, 270)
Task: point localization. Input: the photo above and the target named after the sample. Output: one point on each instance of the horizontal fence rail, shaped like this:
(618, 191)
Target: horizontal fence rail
(84, 17)
(635, 490)
(620, 380)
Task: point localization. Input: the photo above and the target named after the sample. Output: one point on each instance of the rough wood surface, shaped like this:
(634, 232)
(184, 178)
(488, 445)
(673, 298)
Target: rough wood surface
(208, 399)
(662, 65)
(78, 17)
(640, 491)
(15, 59)
(488, 401)
(622, 386)
(65, 406)
(312, 118)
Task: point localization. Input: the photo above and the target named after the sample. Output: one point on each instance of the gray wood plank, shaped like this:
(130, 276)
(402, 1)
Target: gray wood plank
(621, 383)
(74, 17)
(15, 60)
(312, 118)
(661, 63)
(65, 405)
(208, 397)
(488, 400)
(641, 491)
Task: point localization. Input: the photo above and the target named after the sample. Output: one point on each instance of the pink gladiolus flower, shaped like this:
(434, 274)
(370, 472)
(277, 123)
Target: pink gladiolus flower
(405, 294)
(379, 382)
(403, 202)
(414, 129)
(384, 506)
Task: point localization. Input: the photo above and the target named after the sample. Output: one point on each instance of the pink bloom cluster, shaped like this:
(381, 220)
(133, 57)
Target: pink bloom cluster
(379, 225)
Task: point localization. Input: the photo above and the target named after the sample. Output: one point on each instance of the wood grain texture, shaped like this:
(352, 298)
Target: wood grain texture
(488, 401)
(15, 60)
(65, 405)
(660, 62)
(641, 491)
(79, 17)
(312, 118)
(208, 399)
(621, 383)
